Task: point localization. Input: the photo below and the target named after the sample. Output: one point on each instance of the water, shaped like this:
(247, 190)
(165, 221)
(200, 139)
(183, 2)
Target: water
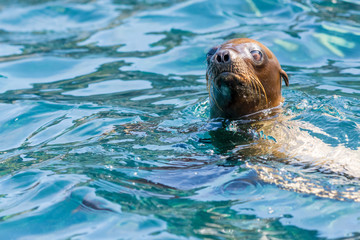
(105, 133)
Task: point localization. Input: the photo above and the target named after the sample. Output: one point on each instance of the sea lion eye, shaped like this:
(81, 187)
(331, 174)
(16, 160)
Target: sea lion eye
(211, 52)
(257, 55)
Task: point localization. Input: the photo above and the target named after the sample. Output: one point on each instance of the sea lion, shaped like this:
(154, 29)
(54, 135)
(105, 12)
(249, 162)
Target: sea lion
(243, 77)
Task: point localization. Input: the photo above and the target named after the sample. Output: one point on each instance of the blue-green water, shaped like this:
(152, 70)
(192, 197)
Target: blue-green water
(104, 121)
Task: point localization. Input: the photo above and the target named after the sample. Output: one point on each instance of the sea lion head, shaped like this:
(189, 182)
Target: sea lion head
(243, 77)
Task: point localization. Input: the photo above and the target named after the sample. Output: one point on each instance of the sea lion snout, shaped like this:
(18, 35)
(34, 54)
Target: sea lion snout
(243, 77)
(222, 56)
(224, 67)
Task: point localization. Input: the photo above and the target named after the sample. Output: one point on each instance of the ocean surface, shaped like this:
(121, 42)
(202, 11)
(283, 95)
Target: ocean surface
(105, 130)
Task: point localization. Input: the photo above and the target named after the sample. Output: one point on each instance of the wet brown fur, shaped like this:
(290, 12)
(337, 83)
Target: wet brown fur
(253, 86)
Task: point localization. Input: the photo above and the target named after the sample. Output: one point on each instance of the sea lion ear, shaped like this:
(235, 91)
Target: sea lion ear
(284, 76)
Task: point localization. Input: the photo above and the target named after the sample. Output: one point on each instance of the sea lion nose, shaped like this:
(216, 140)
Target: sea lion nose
(222, 56)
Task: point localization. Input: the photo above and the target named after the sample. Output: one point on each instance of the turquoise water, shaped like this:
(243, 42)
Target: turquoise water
(105, 130)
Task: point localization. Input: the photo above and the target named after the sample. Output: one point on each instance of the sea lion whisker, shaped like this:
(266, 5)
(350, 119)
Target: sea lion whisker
(260, 88)
(263, 90)
(253, 83)
(256, 86)
(212, 98)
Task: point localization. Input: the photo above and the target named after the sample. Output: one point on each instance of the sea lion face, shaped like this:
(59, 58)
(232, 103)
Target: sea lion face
(243, 77)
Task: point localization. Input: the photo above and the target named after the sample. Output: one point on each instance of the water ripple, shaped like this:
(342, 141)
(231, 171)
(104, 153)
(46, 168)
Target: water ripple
(105, 132)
